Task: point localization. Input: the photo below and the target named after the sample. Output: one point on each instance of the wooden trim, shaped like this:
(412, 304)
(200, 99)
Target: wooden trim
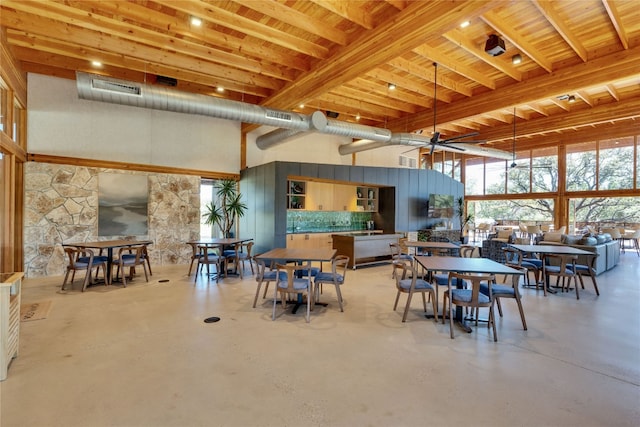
(11, 73)
(46, 158)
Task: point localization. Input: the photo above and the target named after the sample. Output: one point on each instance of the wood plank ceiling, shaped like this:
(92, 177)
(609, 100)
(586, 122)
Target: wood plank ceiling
(341, 56)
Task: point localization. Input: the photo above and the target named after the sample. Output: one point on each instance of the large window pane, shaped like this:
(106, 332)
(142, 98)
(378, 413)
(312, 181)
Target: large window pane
(544, 170)
(474, 176)
(616, 164)
(519, 177)
(603, 212)
(581, 166)
(495, 176)
(514, 211)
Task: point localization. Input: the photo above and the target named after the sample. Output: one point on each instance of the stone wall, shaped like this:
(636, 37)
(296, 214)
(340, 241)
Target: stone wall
(61, 206)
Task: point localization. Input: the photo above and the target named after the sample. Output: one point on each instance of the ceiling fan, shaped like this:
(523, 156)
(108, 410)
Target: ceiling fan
(435, 139)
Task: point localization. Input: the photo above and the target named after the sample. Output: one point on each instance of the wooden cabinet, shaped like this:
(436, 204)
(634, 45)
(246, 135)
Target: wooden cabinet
(367, 199)
(296, 194)
(344, 198)
(309, 240)
(10, 294)
(320, 196)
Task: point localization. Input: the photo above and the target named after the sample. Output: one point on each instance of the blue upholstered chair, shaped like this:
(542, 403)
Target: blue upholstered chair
(131, 262)
(83, 259)
(562, 266)
(265, 275)
(411, 285)
(295, 282)
(587, 270)
(470, 298)
(334, 277)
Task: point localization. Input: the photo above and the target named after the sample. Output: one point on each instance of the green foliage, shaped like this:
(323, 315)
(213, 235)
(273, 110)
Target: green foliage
(464, 217)
(228, 206)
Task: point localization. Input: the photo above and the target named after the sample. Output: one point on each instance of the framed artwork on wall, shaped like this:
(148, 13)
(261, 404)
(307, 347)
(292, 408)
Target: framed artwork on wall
(122, 204)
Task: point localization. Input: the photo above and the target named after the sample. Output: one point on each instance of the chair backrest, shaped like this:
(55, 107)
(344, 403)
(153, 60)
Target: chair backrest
(468, 251)
(298, 277)
(247, 248)
(395, 250)
(208, 254)
(74, 253)
(533, 229)
(512, 256)
(563, 260)
(339, 266)
(400, 273)
(475, 280)
(139, 252)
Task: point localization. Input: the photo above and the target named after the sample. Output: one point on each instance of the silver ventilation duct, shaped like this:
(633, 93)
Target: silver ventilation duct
(106, 89)
(99, 88)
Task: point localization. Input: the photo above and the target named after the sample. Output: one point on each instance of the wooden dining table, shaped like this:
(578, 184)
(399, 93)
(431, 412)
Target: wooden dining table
(300, 256)
(466, 265)
(545, 250)
(109, 245)
(439, 246)
(221, 242)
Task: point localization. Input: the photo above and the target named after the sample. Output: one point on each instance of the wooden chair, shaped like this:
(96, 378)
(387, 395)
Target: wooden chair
(145, 256)
(562, 266)
(470, 298)
(265, 275)
(131, 257)
(297, 281)
(410, 286)
(335, 277)
(398, 257)
(242, 254)
(83, 259)
(589, 271)
(209, 256)
(195, 255)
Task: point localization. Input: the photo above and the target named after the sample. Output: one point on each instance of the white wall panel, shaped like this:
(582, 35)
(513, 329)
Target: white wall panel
(61, 124)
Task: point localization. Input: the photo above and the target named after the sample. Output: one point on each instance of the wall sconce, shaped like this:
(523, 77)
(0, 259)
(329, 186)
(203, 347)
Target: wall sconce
(391, 86)
(516, 59)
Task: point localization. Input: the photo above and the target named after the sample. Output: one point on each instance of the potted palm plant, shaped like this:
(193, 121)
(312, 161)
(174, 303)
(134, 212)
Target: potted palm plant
(464, 218)
(226, 208)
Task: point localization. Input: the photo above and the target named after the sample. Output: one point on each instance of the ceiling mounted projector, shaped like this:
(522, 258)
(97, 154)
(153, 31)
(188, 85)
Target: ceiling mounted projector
(494, 45)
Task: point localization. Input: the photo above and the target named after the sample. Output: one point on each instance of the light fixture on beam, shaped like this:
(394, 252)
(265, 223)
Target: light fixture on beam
(516, 59)
(572, 99)
(391, 86)
(196, 22)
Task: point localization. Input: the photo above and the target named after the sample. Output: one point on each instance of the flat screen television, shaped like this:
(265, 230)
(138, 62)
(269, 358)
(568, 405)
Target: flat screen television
(440, 206)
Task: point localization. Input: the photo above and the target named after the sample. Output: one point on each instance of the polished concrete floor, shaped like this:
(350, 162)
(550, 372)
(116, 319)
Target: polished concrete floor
(142, 356)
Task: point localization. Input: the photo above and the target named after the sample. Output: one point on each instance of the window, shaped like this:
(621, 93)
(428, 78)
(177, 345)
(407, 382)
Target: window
(495, 176)
(615, 166)
(207, 195)
(4, 93)
(18, 113)
(544, 170)
(581, 166)
(474, 176)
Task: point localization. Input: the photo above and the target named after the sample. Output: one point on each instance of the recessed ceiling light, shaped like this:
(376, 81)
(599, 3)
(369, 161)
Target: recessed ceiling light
(196, 22)
(516, 59)
(465, 24)
(357, 116)
(572, 98)
(220, 89)
(301, 105)
(96, 63)
(391, 86)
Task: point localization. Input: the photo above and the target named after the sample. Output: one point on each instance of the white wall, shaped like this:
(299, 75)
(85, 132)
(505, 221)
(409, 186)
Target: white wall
(61, 124)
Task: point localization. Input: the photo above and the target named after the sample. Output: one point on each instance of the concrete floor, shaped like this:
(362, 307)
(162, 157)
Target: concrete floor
(142, 356)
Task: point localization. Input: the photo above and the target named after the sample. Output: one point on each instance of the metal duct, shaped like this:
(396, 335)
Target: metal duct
(99, 88)
(106, 89)
(276, 137)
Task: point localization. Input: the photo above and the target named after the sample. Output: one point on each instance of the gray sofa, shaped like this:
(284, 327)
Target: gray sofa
(608, 250)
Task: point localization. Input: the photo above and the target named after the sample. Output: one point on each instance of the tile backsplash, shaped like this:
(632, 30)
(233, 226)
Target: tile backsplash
(299, 221)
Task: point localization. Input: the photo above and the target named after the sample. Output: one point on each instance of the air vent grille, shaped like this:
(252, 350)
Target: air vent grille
(278, 115)
(116, 87)
(407, 162)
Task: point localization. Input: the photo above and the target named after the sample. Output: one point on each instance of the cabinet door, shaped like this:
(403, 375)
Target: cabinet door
(297, 241)
(319, 196)
(344, 197)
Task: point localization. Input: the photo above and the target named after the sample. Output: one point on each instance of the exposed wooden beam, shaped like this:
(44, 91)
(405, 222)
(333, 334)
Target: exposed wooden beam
(216, 15)
(296, 19)
(428, 73)
(451, 64)
(547, 9)
(616, 20)
(460, 39)
(585, 97)
(349, 10)
(507, 31)
(613, 92)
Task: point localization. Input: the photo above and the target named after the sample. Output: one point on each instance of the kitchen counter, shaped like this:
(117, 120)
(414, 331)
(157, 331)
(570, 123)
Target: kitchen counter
(364, 248)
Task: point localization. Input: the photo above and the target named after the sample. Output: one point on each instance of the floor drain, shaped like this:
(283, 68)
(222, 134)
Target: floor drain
(163, 281)
(211, 320)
